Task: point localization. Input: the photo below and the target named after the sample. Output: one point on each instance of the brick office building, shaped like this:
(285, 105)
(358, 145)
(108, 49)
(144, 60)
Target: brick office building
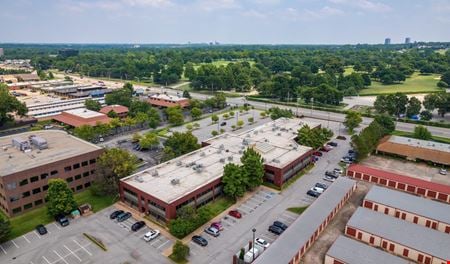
(195, 178)
(164, 100)
(28, 160)
(80, 117)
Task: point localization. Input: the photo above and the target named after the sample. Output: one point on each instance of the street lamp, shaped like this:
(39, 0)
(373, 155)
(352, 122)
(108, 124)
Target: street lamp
(253, 244)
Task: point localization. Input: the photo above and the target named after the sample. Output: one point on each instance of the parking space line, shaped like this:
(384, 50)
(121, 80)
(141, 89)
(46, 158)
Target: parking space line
(163, 244)
(26, 239)
(14, 243)
(267, 238)
(154, 242)
(59, 256)
(290, 217)
(248, 207)
(76, 242)
(37, 234)
(57, 226)
(4, 251)
(46, 259)
(73, 253)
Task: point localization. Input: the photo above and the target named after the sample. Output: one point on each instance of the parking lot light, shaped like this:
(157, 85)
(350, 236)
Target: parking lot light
(253, 244)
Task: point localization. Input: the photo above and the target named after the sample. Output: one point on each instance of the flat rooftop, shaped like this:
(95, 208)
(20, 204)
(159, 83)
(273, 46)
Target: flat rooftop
(426, 240)
(301, 230)
(168, 97)
(84, 113)
(427, 144)
(60, 146)
(279, 150)
(351, 251)
(410, 203)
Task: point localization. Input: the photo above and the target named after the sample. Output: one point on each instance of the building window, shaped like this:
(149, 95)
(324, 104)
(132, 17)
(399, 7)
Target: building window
(68, 168)
(391, 247)
(37, 190)
(17, 210)
(79, 187)
(45, 188)
(92, 172)
(92, 161)
(77, 177)
(11, 186)
(13, 198)
(70, 179)
(25, 194)
(23, 182)
(84, 163)
(44, 176)
(85, 174)
(54, 172)
(34, 179)
(76, 166)
(38, 202)
(27, 206)
(87, 184)
(405, 252)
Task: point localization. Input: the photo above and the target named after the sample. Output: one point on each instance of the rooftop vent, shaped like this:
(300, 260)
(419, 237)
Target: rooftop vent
(221, 146)
(278, 134)
(202, 154)
(155, 173)
(230, 158)
(248, 135)
(175, 181)
(138, 178)
(276, 160)
(222, 160)
(179, 163)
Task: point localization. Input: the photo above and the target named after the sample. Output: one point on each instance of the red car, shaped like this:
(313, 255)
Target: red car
(325, 148)
(317, 153)
(235, 213)
(217, 225)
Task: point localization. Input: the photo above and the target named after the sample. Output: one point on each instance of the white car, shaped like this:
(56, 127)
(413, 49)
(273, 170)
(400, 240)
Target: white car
(329, 178)
(317, 189)
(337, 170)
(443, 171)
(149, 236)
(261, 242)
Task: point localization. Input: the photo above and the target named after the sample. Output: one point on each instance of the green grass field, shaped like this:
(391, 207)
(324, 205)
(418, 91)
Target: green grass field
(415, 84)
(223, 63)
(26, 222)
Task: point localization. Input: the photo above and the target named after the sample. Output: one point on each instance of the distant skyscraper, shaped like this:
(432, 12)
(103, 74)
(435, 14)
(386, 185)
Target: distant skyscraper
(407, 40)
(387, 41)
(1, 52)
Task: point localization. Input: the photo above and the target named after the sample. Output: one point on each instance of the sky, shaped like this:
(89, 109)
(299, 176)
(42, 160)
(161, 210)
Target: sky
(224, 21)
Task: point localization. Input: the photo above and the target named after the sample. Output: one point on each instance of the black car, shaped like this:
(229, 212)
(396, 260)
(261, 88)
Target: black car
(41, 230)
(138, 225)
(200, 241)
(223, 124)
(331, 174)
(312, 193)
(115, 214)
(276, 230)
(123, 216)
(62, 220)
(351, 151)
(280, 225)
(331, 143)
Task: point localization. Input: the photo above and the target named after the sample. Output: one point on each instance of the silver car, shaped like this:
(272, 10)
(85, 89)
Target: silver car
(212, 231)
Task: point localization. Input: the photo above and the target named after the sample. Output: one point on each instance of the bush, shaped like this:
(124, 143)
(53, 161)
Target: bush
(426, 115)
(214, 133)
(180, 251)
(442, 84)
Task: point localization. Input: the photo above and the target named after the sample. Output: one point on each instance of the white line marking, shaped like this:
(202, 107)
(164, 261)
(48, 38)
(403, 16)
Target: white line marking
(31, 262)
(26, 239)
(163, 244)
(156, 240)
(57, 226)
(267, 238)
(46, 259)
(14, 243)
(4, 251)
(60, 257)
(72, 253)
(82, 247)
(37, 234)
(289, 216)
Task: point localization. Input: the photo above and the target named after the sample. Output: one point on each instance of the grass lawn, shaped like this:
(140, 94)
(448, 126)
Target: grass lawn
(297, 210)
(348, 70)
(219, 205)
(24, 223)
(224, 63)
(415, 84)
(410, 134)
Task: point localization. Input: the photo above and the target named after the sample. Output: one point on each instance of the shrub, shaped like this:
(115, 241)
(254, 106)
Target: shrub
(180, 251)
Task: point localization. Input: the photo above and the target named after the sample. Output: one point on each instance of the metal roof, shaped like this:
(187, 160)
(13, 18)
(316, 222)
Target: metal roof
(301, 230)
(411, 235)
(351, 251)
(410, 203)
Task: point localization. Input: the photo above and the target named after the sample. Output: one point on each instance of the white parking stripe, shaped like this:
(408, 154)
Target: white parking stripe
(4, 251)
(26, 239)
(289, 216)
(270, 239)
(14, 243)
(73, 253)
(59, 256)
(57, 226)
(37, 234)
(156, 240)
(82, 247)
(163, 244)
(46, 259)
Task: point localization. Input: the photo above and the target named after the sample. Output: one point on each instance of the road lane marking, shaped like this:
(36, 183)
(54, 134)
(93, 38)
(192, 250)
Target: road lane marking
(59, 256)
(76, 242)
(26, 239)
(163, 244)
(4, 251)
(14, 243)
(46, 260)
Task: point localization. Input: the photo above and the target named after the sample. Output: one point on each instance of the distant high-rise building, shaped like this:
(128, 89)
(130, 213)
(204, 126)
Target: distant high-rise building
(1, 52)
(407, 40)
(387, 41)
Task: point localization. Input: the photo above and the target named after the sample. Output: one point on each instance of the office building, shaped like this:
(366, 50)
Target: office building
(164, 100)
(80, 117)
(387, 41)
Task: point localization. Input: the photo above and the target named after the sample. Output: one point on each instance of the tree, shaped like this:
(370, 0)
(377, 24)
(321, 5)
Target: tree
(240, 123)
(386, 122)
(9, 105)
(234, 181)
(314, 138)
(136, 137)
(112, 114)
(445, 77)
(196, 113)
(138, 106)
(422, 132)
(85, 132)
(149, 140)
(92, 105)
(393, 104)
(276, 112)
(113, 165)
(153, 118)
(5, 228)
(186, 94)
(180, 251)
(242, 254)
(414, 106)
(189, 127)
(120, 96)
(441, 101)
(263, 114)
(426, 115)
(252, 167)
(226, 116)
(179, 144)
(214, 118)
(352, 120)
(214, 133)
(59, 197)
(251, 120)
(175, 115)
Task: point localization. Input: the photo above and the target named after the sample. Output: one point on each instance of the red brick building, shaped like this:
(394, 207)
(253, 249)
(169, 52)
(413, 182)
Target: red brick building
(28, 160)
(120, 110)
(80, 117)
(164, 100)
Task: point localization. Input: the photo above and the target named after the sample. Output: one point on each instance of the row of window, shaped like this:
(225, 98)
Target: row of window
(77, 165)
(36, 178)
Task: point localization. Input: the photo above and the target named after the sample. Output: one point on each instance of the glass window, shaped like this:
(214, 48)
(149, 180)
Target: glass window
(23, 182)
(27, 206)
(34, 179)
(38, 202)
(44, 176)
(87, 184)
(37, 190)
(11, 186)
(77, 177)
(68, 168)
(13, 198)
(84, 163)
(54, 172)
(17, 210)
(85, 174)
(45, 188)
(79, 187)
(92, 161)
(70, 179)
(26, 194)
(76, 166)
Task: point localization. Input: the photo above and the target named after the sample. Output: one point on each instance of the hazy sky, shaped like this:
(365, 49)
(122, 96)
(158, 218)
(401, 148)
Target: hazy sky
(225, 21)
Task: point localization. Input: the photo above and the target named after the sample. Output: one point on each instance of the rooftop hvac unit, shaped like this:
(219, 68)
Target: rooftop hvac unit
(276, 160)
(219, 151)
(230, 158)
(221, 146)
(266, 140)
(155, 173)
(21, 144)
(222, 160)
(274, 129)
(278, 134)
(202, 154)
(248, 135)
(179, 163)
(138, 178)
(175, 181)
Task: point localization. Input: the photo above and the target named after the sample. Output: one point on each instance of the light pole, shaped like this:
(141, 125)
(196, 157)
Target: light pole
(253, 244)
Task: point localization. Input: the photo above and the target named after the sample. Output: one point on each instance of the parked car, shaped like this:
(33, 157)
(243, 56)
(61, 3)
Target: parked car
(318, 153)
(321, 185)
(351, 151)
(138, 225)
(331, 143)
(41, 230)
(317, 189)
(338, 171)
(261, 242)
(326, 148)
(48, 127)
(123, 216)
(223, 123)
(62, 220)
(443, 171)
(200, 241)
(276, 230)
(152, 234)
(329, 178)
(217, 225)
(346, 160)
(280, 225)
(115, 214)
(331, 174)
(313, 193)
(212, 231)
(235, 213)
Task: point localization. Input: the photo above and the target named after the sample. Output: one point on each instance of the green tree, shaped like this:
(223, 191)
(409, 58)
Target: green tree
(189, 127)
(251, 120)
(263, 114)
(234, 181)
(179, 144)
(113, 165)
(9, 106)
(153, 118)
(414, 106)
(352, 120)
(92, 105)
(186, 94)
(226, 116)
(112, 114)
(445, 77)
(214, 133)
(214, 118)
(180, 251)
(120, 96)
(85, 132)
(5, 228)
(276, 112)
(422, 132)
(386, 122)
(393, 104)
(439, 101)
(175, 115)
(314, 138)
(136, 137)
(149, 140)
(426, 115)
(138, 106)
(252, 167)
(240, 123)
(59, 197)
(196, 113)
